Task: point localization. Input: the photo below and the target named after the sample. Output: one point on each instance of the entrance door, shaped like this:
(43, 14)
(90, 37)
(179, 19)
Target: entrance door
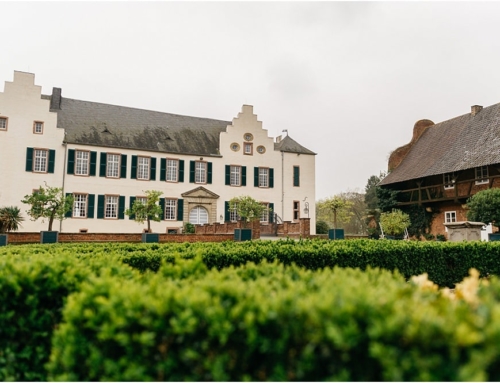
(198, 215)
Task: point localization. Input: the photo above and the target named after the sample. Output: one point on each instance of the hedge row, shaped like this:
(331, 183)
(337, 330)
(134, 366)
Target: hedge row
(271, 322)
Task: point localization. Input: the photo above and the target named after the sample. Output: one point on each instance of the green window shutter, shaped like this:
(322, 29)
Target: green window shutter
(227, 217)
(93, 164)
(163, 169)
(121, 207)
(181, 170)
(228, 174)
(100, 206)
(209, 173)
(52, 161)
(271, 177)
(191, 171)
(180, 210)
(90, 205)
(271, 213)
(243, 176)
(256, 177)
(69, 214)
(162, 205)
(102, 167)
(133, 168)
(29, 159)
(123, 172)
(296, 176)
(71, 162)
(132, 200)
(152, 169)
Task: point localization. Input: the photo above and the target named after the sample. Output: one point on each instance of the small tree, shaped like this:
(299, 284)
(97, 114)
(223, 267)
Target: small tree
(48, 202)
(147, 210)
(338, 206)
(10, 219)
(484, 206)
(247, 208)
(394, 222)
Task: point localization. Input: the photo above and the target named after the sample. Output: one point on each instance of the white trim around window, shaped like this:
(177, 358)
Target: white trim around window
(450, 216)
(143, 166)
(40, 160)
(481, 175)
(82, 160)
(79, 205)
(111, 206)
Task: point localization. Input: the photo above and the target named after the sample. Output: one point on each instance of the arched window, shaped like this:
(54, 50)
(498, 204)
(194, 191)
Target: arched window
(198, 215)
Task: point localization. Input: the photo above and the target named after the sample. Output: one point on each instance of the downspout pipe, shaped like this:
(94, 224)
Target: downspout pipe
(64, 174)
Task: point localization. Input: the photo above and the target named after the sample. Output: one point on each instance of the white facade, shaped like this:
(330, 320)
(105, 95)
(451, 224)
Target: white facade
(248, 162)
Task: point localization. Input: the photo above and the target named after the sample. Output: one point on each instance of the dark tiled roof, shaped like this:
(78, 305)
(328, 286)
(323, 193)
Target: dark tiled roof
(461, 143)
(287, 144)
(92, 123)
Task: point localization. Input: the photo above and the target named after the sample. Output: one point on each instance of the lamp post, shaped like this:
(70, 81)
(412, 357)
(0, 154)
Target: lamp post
(306, 208)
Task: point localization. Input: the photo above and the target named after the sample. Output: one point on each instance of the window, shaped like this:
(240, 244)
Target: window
(112, 165)
(172, 170)
(264, 218)
(235, 147)
(200, 175)
(82, 163)
(263, 177)
(143, 168)
(233, 215)
(198, 215)
(481, 175)
(38, 127)
(40, 157)
(248, 148)
(450, 216)
(111, 207)
(80, 206)
(261, 149)
(296, 210)
(170, 209)
(235, 175)
(296, 176)
(3, 123)
(248, 137)
(449, 180)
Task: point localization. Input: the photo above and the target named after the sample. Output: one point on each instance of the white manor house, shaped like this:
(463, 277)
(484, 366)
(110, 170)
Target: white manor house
(107, 156)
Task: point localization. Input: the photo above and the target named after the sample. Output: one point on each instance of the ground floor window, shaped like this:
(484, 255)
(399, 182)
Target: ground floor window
(198, 215)
(79, 205)
(450, 216)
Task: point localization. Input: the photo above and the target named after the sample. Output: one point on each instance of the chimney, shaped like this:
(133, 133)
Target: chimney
(55, 100)
(475, 109)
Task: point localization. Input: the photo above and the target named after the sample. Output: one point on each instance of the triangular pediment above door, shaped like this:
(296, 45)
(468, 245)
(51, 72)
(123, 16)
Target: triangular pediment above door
(200, 192)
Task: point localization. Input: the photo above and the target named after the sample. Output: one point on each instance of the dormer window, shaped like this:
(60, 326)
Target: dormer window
(449, 180)
(481, 175)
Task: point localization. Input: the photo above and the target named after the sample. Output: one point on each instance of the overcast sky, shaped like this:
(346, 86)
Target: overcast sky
(348, 80)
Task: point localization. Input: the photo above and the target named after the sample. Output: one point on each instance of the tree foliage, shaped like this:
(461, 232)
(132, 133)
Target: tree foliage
(148, 210)
(10, 219)
(48, 203)
(322, 227)
(247, 208)
(336, 207)
(484, 206)
(394, 222)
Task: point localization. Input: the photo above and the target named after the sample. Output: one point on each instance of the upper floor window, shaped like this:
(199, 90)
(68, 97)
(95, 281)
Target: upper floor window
(449, 180)
(40, 160)
(143, 168)
(296, 176)
(248, 148)
(481, 175)
(172, 170)
(200, 174)
(170, 209)
(38, 127)
(235, 175)
(263, 177)
(79, 205)
(450, 216)
(3, 123)
(81, 163)
(113, 165)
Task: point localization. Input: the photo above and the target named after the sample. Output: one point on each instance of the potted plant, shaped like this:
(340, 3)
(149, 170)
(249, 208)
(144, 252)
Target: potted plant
(394, 223)
(339, 208)
(484, 206)
(48, 203)
(147, 210)
(249, 210)
(10, 220)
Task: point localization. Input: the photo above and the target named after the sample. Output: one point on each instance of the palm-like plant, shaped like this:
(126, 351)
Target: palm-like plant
(10, 219)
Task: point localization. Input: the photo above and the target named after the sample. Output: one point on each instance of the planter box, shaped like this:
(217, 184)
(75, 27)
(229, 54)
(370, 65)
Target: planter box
(150, 237)
(494, 236)
(242, 235)
(4, 239)
(49, 236)
(336, 234)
